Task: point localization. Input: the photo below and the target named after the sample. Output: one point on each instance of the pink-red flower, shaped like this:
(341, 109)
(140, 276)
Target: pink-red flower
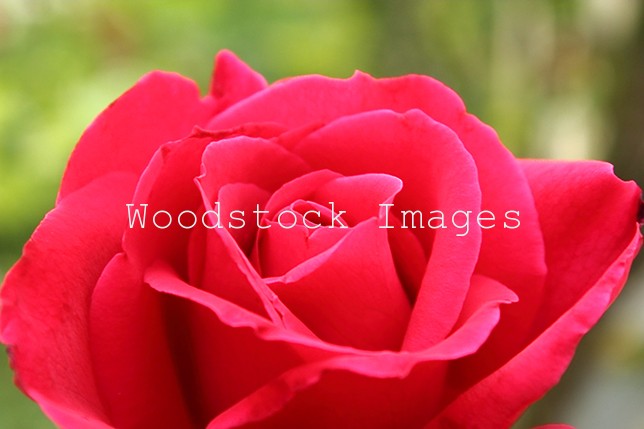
(114, 325)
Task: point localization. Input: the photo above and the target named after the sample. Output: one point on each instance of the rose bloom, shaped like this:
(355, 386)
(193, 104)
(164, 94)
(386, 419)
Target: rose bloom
(112, 326)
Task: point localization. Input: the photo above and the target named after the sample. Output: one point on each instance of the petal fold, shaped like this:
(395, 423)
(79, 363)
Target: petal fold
(160, 108)
(46, 295)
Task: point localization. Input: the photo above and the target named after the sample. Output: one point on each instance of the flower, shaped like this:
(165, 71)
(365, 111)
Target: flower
(313, 253)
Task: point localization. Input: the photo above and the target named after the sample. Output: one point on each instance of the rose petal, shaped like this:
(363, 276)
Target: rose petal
(319, 99)
(438, 174)
(67, 417)
(302, 187)
(585, 275)
(244, 198)
(350, 294)
(349, 399)
(219, 364)
(233, 80)
(300, 242)
(273, 396)
(499, 399)
(221, 359)
(588, 217)
(45, 298)
(228, 274)
(279, 249)
(516, 259)
(130, 352)
(247, 160)
(577, 251)
(513, 256)
(409, 257)
(360, 196)
(160, 108)
(484, 291)
(461, 342)
(174, 166)
(409, 383)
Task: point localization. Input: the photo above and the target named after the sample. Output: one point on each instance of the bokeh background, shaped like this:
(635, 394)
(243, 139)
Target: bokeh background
(557, 79)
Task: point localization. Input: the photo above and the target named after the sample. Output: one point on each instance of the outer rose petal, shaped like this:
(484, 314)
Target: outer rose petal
(219, 364)
(160, 108)
(588, 216)
(233, 80)
(384, 367)
(45, 298)
(131, 357)
(499, 399)
(65, 417)
(588, 263)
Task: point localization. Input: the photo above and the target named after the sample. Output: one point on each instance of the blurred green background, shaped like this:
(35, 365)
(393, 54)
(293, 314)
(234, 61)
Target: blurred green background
(557, 79)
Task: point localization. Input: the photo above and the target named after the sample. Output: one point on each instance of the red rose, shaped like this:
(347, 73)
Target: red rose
(447, 285)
